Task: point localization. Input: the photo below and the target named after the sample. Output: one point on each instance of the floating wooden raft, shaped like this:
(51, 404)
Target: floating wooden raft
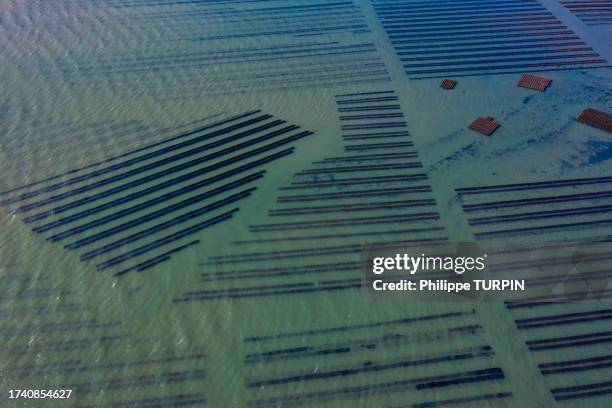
(537, 83)
(596, 119)
(448, 84)
(486, 126)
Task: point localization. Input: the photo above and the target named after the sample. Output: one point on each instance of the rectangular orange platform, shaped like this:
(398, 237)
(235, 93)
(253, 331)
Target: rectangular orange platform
(486, 126)
(537, 83)
(596, 119)
(448, 84)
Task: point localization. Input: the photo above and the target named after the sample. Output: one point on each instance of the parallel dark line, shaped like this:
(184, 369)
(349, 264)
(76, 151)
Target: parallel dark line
(474, 16)
(316, 252)
(441, 62)
(352, 207)
(164, 241)
(265, 10)
(460, 50)
(163, 185)
(297, 353)
(569, 341)
(507, 67)
(353, 181)
(534, 185)
(370, 108)
(584, 317)
(461, 14)
(461, 41)
(537, 200)
(278, 271)
(185, 18)
(572, 366)
(147, 232)
(491, 28)
(362, 193)
(454, 59)
(582, 225)
(163, 211)
(381, 125)
(369, 157)
(539, 215)
(577, 391)
(334, 236)
(156, 260)
(493, 22)
(136, 381)
(373, 146)
(592, 341)
(384, 323)
(558, 259)
(136, 160)
(307, 288)
(409, 9)
(204, 61)
(225, 55)
(446, 5)
(484, 351)
(201, 171)
(359, 343)
(570, 297)
(167, 160)
(346, 222)
(371, 116)
(249, 289)
(387, 387)
(412, 10)
(377, 135)
(493, 39)
(350, 50)
(367, 100)
(514, 42)
(167, 140)
(410, 165)
(365, 93)
(581, 276)
(278, 32)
